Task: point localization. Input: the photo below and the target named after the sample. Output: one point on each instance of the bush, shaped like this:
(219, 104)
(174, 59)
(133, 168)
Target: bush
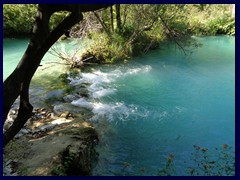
(18, 19)
(211, 20)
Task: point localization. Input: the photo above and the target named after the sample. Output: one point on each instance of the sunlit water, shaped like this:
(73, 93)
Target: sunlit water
(160, 103)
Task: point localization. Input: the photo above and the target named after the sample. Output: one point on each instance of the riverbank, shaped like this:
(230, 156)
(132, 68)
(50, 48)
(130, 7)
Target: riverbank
(51, 144)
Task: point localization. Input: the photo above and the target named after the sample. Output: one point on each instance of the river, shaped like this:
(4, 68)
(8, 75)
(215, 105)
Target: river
(158, 106)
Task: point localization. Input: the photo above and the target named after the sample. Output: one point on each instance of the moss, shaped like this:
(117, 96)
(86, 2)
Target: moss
(63, 78)
(23, 170)
(58, 170)
(73, 73)
(69, 90)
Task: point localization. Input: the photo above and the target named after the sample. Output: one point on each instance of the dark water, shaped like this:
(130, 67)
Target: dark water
(161, 103)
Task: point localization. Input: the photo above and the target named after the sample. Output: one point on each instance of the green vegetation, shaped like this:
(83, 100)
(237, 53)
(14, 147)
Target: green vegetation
(211, 19)
(58, 171)
(125, 30)
(63, 168)
(18, 19)
(136, 29)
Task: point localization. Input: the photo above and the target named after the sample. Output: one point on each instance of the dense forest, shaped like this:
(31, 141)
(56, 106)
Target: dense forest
(116, 34)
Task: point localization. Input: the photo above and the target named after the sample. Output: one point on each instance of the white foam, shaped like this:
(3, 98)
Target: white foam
(98, 78)
(111, 111)
(100, 86)
(82, 103)
(103, 92)
(143, 69)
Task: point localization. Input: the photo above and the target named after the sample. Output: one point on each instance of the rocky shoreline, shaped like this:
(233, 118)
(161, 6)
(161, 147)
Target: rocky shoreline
(51, 144)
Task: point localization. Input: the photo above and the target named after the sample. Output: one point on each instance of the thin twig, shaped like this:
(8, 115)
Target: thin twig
(172, 36)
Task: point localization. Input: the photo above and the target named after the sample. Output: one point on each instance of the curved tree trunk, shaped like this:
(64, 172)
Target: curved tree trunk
(42, 39)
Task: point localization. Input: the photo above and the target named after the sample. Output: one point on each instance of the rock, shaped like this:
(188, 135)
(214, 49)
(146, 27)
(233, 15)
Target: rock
(28, 123)
(83, 93)
(66, 107)
(35, 131)
(43, 113)
(38, 116)
(24, 131)
(69, 98)
(14, 174)
(42, 155)
(18, 135)
(41, 110)
(79, 158)
(47, 127)
(55, 94)
(7, 171)
(49, 115)
(60, 121)
(8, 162)
(65, 115)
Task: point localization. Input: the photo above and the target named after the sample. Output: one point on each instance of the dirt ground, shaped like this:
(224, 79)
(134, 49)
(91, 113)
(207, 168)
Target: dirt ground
(37, 152)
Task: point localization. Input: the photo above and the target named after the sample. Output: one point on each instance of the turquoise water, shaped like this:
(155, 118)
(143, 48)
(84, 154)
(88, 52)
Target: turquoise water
(160, 103)
(14, 48)
(47, 75)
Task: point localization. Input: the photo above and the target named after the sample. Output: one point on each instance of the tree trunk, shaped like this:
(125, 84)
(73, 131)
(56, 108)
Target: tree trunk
(111, 13)
(42, 39)
(118, 17)
(104, 26)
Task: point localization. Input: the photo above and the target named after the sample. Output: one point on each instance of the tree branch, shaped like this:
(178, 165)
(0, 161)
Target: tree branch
(171, 35)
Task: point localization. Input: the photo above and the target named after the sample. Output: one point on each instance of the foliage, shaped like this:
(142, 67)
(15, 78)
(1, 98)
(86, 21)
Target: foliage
(106, 49)
(128, 30)
(56, 18)
(58, 171)
(144, 26)
(18, 18)
(211, 19)
(63, 168)
(132, 36)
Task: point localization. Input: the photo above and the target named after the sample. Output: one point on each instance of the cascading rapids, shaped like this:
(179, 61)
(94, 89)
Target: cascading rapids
(100, 85)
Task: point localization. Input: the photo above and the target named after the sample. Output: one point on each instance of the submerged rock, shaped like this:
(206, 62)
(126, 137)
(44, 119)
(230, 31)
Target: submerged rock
(80, 157)
(67, 107)
(55, 94)
(69, 98)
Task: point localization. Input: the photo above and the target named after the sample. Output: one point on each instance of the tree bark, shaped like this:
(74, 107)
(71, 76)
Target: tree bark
(118, 17)
(111, 13)
(104, 26)
(42, 39)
